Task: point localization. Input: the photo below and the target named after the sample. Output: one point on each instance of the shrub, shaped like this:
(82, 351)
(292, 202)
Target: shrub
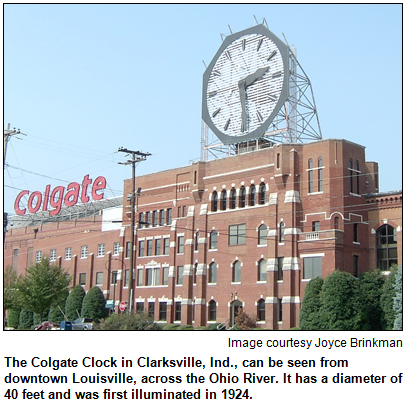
(13, 318)
(138, 321)
(386, 301)
(309, 313)
(94, 304)
(243, 321)
(74, 302)
(26, 319)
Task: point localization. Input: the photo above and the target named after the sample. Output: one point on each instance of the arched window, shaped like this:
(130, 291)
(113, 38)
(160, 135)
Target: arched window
(310, 174)
(261, 310)
(336, 223)
(262, 194)
(213, 240)
(281, 232)
(233, 199)
(236, 276)
(387, 252)
(212, 315)
(261, 270)
(214, 201)
(197, 241)
(320, 172)
(213, 272)
(223, 200)
(243, 197)
(252, 196)
(262, 234)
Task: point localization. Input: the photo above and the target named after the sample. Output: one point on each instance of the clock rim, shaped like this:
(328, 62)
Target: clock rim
(283, 96)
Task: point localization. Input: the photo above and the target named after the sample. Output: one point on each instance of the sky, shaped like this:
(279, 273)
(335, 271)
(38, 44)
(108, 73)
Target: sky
(83, 80)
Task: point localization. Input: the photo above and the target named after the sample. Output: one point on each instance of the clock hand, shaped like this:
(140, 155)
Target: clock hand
(242, 85)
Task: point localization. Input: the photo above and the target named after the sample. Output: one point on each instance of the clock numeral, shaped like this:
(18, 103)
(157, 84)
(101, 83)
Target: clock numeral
(277, 74)
(227, 124)
(272, 97)
(260, 43)
(259, 116)
(243, 44)
(212, 93)
(227, 53)
(216, 112)
(216, 73)
(271, 55)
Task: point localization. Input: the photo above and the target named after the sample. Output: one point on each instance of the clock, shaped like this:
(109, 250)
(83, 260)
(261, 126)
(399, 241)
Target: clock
(245, 85)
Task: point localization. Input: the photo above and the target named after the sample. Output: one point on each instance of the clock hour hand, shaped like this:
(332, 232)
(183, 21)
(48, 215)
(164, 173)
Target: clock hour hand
(242, 85)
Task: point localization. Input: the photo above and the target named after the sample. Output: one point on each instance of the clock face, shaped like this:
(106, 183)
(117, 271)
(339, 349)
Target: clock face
(245, 85)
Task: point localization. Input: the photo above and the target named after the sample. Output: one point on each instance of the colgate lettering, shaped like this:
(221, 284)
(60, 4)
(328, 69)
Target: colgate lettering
(57, 197)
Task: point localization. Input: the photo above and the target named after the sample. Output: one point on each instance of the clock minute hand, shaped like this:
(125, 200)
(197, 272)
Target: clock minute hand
(242, 85)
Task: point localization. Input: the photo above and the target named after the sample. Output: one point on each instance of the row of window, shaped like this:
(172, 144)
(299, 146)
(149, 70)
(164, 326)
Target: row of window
(232, 201)
(159, 217)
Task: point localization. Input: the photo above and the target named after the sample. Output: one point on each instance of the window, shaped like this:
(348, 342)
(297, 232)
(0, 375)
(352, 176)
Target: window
(279, 310)
(114, 277)
(262, 194)
(261, 270)
(179, 275)
(213, 239)
(213, 272)
(223, 200)
(116, 248)
(148, 219)
(140, 279)
(141, 248)
(278, 160)
(165, 274)
(212, 315)
(355, 265)
(282, 232)
(157, 247)
(101, 248)
(166, 246)
(84, 252)
(151, 309)
(355, 232)
(154, 218)
(162, 311)
(128, 249)
(386, 240)
(153, 276)
(197, 241)
(320, 173)
(184, 211)
(149, 247)
(351, 174)
(195, 273)
(236, 276)
(214, 201)
(139, 307)
(261, 310)
(236, 234)
(52, 255)
(162, 218)
(312, 267)
(141, 221)
(316, 226)
(38, 255)
(280, 268)
(243, 197)
(233, 199)
(252, 196)
(169, 216)
(82, 278)
(99, 278)
(336, 223)
(181, 243)
(262, 235)
(68, 253)
(310, 175)
(126, 278)
(178, 311)
(358, 172)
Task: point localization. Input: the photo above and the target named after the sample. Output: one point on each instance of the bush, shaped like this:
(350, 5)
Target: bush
(309, 313)
(94, 304)
(138, 321)
(13, 318)
(243, 321)
(26, 319)
(38, 318)
(386, 301)
(185, 327)
(170, 326)
(74, 302)
(398, 301)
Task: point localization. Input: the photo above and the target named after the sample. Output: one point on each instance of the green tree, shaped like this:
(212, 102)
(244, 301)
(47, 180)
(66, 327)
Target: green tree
(387, 296)
(370, 284)
(41, 286)
(9, 290)
(398, 301)
(309, 313)
(13, 318)
(94, 304)
(55, 313)
(26, 320)
(38, 318)
(74, 302)
(339, 302)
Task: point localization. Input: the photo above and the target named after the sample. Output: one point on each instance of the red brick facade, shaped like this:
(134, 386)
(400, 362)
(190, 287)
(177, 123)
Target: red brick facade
(308, 209)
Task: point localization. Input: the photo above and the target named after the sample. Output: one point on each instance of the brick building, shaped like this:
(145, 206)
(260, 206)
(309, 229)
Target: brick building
(248, 231)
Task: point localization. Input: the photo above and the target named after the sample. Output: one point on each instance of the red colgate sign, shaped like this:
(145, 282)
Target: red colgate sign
(58, 197)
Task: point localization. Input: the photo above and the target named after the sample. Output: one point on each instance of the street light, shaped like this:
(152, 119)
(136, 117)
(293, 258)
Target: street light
(114, 279)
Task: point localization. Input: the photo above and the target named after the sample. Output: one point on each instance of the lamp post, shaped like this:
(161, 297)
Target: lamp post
(111, 272)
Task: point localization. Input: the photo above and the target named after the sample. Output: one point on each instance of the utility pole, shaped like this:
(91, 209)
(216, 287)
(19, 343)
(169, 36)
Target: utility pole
(136, 157)
(8, 133)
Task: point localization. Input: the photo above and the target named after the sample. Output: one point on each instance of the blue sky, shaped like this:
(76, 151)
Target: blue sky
(83, 80)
